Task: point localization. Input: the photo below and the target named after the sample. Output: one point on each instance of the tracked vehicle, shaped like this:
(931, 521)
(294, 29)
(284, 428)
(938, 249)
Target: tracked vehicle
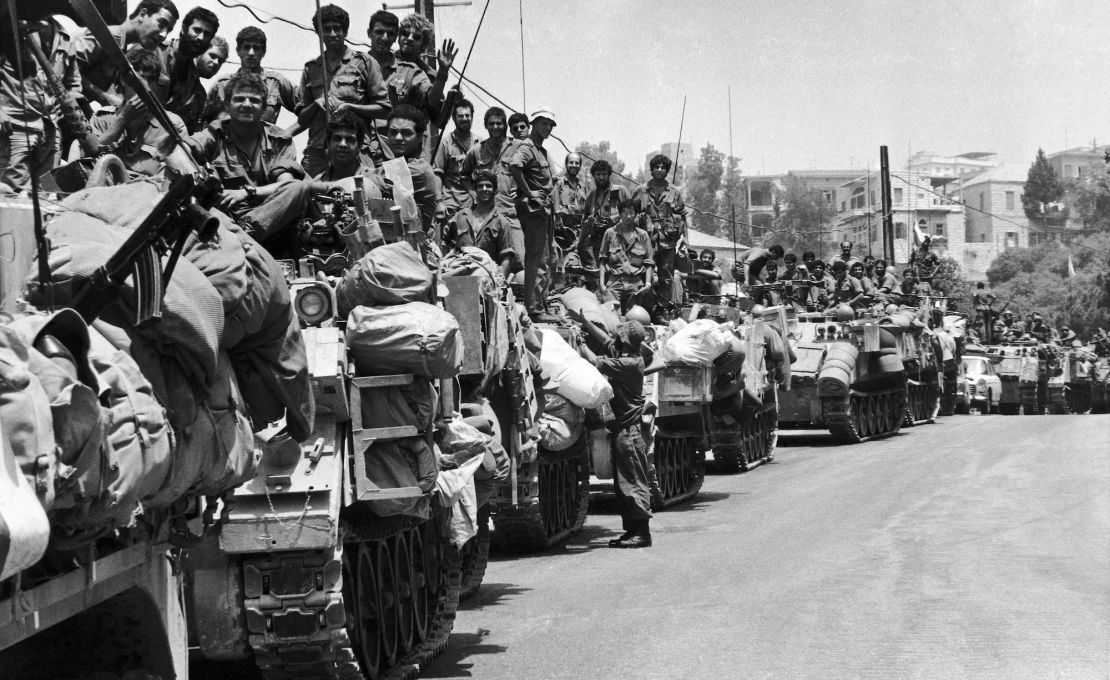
(1023, 368)
(848, 377)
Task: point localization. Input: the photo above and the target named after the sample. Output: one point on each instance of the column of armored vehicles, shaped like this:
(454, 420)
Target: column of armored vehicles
(305, 462)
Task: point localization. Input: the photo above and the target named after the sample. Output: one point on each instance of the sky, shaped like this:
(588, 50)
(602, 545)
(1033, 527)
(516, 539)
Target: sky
(814, 85)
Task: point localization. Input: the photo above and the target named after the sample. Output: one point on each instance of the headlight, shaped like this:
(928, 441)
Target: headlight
(313, 303)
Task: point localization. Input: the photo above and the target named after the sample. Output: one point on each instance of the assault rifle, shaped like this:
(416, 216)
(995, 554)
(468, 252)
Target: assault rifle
(73, 117)
(163, 233)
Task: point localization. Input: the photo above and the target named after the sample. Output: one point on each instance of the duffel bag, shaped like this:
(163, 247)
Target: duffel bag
(392, 274)
(411, 338)
(578, 380)
(397, 464)
(266, 346)
(413, 405)
(26, 418)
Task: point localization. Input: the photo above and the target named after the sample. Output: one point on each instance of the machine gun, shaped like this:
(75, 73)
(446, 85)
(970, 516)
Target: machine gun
(163, 232)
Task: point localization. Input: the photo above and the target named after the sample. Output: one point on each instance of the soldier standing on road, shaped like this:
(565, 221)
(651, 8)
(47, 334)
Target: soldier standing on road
(982, 300)
(601, 212)
(531, 172)
(623, 365)
(250, 47)
(448, 163)
(665, 213)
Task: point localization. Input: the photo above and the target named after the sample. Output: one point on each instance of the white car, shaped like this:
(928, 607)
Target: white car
(979, 386)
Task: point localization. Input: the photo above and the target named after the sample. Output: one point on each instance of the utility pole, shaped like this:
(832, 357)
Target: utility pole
(427, 9)
(870, 235)
(888, 210)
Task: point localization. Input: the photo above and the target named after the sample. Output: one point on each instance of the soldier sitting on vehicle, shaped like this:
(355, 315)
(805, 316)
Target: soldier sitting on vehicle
(256, 163)
(705, 279)
(820, 286)
(346, 136)
(626, 261)
(480, 224)
(749, 268)
(131, 132)
(846, 289)
(856, 271)
(601, 212)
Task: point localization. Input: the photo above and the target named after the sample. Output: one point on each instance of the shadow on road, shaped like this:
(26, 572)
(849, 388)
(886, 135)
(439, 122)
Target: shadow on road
(453, 663)
(492, 595)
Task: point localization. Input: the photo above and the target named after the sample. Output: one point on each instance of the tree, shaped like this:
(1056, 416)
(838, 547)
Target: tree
(1036, 279)
(950, 280)
(702, 188)
(595, 152)
(1091, 199)
(1042, 189)
(804, 218)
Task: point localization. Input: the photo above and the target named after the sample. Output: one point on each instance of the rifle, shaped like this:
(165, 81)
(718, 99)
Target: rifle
(73, 117)
(164, 232)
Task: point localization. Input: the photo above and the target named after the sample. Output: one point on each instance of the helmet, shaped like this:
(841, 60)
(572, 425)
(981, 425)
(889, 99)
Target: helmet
(631, 333)
(757, 310)
(638, 313)
(891, 309)
(845, 313)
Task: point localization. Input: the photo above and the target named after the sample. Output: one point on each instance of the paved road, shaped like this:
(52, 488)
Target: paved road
(975, 548)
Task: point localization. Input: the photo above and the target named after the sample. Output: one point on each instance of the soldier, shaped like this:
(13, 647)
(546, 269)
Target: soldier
(1068, 338)
(148, 25)
(820, 286)
(705, 279)
(982, 301)
(382, 31)
(480, 225)
(846, 289)
(531, 172)
(181, 87)
(623, 365)
(250, 47)
(749, 268)
(411, 82)
(346, 134)
(355, 83)
(857, 272)
(494, 154)
(626, 261)
(869, 267)
(925, 262)
(808, 258)
(131, 131)
(790, 267)
(885, 281)
(665, 213)
(407, 125)
(846, 253)
(29, 124)
(519, 127)
(602, 211)
(569, 196)
(213, 59)
(449, 161)
(256, 163)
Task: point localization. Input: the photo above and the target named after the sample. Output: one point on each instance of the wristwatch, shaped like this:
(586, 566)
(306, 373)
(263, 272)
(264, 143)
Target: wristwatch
(252, 191)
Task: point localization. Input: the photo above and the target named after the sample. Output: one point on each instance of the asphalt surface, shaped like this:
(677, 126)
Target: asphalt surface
(978, 547)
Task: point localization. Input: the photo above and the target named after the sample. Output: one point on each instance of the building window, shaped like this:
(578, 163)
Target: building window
(1011, 239)
(897, 195)
(938, 229)
(829, 198)
(982, 238)
(899, 227)
(842, 206)
(872, 197)
(1009, 200)
(982, 201)
(1067, 171)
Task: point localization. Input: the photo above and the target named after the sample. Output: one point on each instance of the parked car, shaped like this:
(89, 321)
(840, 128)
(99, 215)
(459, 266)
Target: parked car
(979, 386)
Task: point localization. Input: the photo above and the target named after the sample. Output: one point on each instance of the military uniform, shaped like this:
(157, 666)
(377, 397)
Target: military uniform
(20, 156)
(602, 211)
(356, 80)
(569, 202)
(145, 151)
(483, 156)
(846, 289)
(425, 186)
(665, 215)
(489, 232)
(275, 156)
(448, 164)
(535, 219)
(407, 83)
(184, 94)
(624, 279)
(280, 94)
(93, 63)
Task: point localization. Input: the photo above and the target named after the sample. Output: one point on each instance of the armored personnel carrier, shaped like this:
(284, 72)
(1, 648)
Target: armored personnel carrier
(849, 376)
(1023, 369)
